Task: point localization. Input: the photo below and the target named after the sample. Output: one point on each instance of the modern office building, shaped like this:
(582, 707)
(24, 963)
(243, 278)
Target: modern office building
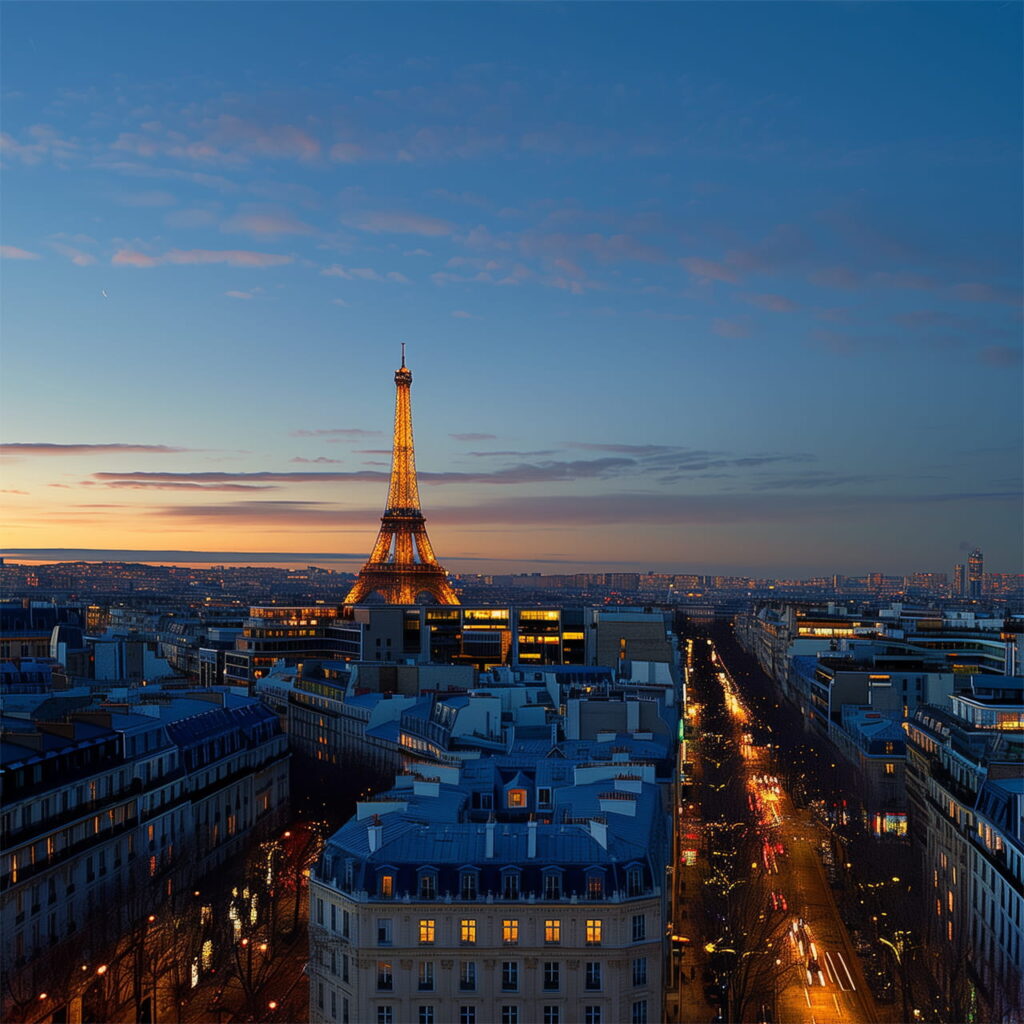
(975, 573)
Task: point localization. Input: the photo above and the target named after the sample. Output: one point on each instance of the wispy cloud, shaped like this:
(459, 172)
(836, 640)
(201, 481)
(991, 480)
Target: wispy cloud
(709, 270)
(266, 224)
(473, 437)
(12, 252)
(200, 257)
(341, 432)
(397, 223)
(46, 448)
(79, 257)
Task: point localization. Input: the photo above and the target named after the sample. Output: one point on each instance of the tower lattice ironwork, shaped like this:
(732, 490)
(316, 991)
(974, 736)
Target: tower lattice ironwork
(402, 564)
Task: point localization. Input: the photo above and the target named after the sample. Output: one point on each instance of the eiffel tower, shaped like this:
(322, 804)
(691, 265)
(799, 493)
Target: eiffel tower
(402, 564)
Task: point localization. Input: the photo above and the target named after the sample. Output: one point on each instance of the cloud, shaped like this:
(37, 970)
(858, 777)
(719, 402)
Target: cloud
(77, 256)
(348, 153)
(401, 224)
(774, 303)
(45, 143)
(363, 274)
(12, 252)
(183, 485)
(320, 460)
(240, 295)
(461, 314)
(267, 224)
(473, 437)
(45, 448)
(709, 270)
(199, 257)
(339, 302)
(730, 328)
(1000, 355)
(150, 198)
(133, 258)
(193, 218)
(340, 432)
(977, 292)
(513, 454)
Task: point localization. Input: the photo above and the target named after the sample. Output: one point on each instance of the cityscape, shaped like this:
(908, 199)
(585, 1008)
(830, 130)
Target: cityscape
(680, 678)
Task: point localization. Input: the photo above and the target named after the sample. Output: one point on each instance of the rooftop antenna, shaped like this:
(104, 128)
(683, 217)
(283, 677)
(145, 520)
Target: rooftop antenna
(403, 355)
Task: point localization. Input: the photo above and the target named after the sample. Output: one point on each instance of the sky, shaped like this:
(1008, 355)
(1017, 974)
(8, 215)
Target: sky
(696, 287)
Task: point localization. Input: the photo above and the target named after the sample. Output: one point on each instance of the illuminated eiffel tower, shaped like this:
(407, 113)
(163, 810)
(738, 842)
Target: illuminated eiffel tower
(402, 564)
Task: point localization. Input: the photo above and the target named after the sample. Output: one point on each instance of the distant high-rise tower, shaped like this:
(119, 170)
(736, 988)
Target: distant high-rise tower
(402, 564)
(975, 570)
(958, 581)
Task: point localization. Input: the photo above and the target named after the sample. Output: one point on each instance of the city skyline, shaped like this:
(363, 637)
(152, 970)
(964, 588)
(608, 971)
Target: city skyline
(673, 300)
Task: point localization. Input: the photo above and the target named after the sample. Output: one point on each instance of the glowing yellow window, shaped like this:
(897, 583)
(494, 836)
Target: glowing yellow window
(387, 886)
(517, 798)
(427, 931)
(509, 932)
(890, 768)
(467, 931)
(594, 932)
(552, 932)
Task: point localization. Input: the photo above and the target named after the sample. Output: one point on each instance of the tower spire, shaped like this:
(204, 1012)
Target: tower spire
(402, 564)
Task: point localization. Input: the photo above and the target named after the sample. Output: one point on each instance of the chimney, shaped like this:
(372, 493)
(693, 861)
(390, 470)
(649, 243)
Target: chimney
(531, 837)
(375, 834)
(489, 840)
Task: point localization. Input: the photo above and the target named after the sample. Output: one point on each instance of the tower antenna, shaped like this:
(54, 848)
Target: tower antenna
(403, 354)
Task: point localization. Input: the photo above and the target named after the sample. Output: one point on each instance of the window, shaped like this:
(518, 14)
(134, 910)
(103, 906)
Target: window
(594, 931)
(510, 1015)
(319, 910)
(516, 798)
(634, 881)
(552, 887)
(510, 886)
(509, 976)
(467, 976)
(383, 932)
(427, 931)
(467, 931)
(510, 932)
(640, 970)
(639, 927)
(334, 1004)
(426, 1015)
(344, 967)
(320, 995)
(385, 979)
(551, 972)
(890, 768)
(467, 1015)
(544, 796)
(639, 1012)
(428, 886)
(592, 982)
(467, 885)
(591, 1015)
(552, 932)
(595, 887)
(552, 1015)
(426, 978)
(385, 1015)
(387, 886)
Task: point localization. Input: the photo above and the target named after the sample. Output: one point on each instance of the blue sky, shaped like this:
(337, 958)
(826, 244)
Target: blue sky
(694, 286)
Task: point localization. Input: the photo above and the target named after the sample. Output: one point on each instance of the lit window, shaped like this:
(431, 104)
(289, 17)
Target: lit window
(510, 932)
(467, 931)
(516, 798)
(890, 768)
(594, 931)
(552, 932)
(595, 887)
(427, 931)
(387, 886)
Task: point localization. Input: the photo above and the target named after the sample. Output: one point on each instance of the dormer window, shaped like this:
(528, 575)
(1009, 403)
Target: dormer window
(427, 888)
(634, 880)
(516, 799)
(552, 885)
(595, 885)
(386, 885)
(510, 884)
(468, 885)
